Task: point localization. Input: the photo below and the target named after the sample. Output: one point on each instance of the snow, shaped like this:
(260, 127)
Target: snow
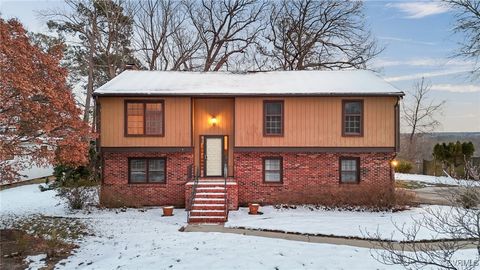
(32, 172)
(270, 83)
(142, 238)
(330, 222)
(36, 261)
(36, 172)
(28, 199)
(435, 179)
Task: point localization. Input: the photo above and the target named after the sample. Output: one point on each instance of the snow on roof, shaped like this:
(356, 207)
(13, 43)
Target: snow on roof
(346, 82)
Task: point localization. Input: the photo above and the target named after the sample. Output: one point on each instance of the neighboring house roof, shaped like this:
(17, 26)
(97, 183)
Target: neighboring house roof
(281, 83)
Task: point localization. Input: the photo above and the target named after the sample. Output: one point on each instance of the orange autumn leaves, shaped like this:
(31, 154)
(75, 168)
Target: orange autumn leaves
(39, 119)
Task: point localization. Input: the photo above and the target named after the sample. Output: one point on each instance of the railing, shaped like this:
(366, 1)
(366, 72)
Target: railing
(225, 176)
(194, 191)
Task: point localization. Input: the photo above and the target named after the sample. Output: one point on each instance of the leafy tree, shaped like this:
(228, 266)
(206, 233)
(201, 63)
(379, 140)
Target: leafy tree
(468, 149)
(39, 120)
(453, 154)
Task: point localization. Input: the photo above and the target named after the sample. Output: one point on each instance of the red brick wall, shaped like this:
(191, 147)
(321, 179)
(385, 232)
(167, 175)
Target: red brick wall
(116, 191)
(314, 178)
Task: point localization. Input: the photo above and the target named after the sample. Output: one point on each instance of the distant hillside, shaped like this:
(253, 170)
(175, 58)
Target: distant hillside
(428, 140)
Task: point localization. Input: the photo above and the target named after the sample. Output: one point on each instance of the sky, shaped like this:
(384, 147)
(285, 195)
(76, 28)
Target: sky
(418, 42)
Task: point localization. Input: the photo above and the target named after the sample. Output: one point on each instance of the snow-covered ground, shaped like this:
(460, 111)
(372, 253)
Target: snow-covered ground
(429, 179)
(143, 239)
(328, 222)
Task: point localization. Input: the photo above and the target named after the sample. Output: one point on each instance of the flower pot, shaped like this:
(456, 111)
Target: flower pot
(167, 211)
(253, 208)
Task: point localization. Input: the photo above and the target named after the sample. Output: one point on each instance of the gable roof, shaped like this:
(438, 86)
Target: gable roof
(279, 83)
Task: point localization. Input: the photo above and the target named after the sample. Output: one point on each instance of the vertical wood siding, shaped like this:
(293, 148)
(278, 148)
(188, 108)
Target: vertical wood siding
(177, 124)
(315, 122)
(223, 110)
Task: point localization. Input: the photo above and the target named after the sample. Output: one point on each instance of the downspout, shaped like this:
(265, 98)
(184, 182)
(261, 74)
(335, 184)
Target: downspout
(98, 149)
(396, 109)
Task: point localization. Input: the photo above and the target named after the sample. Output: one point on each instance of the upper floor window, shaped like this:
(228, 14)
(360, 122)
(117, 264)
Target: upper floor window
(273, 118)
(352, 121)
(145, 118)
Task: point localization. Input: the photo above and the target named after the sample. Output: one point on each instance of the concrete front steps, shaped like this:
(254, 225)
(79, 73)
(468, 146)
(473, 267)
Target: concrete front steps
(209, 203)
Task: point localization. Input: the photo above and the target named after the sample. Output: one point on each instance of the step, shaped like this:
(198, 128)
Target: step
(210, 189)
(202, 213)
(211, 184)
(210, 206)
(207, 219)
(209, 200)
(217, 195)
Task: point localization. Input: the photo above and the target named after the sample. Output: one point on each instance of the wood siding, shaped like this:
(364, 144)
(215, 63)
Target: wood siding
(223, 110)
(315, 122)
(177, 124)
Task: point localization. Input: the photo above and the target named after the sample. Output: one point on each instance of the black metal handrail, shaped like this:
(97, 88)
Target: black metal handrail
(225, 176)
(194, 191)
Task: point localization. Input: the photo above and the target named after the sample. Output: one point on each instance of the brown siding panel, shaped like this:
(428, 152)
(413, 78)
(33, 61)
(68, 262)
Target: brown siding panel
(316, 122)
(177, 124)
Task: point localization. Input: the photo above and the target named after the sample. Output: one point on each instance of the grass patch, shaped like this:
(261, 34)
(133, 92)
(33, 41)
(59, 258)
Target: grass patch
(38, 234)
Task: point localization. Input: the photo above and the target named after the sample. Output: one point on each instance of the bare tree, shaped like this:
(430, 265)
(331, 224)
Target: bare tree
(79, 20)
(100, 32)
(115, 31)
(468, 23)
(226, 28)
(312, 34)
(163, 37)
(420, 113)
(455, 229)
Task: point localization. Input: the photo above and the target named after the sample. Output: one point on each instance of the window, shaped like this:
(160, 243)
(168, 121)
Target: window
(272, 170)
(352, 118)
(147, 170)
(349, 170)
(144, 118)
(273, 118)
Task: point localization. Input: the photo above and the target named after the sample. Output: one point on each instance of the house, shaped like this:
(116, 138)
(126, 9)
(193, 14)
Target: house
(212, 141)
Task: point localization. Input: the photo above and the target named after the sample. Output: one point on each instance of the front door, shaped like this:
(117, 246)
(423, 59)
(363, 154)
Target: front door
(213, 156)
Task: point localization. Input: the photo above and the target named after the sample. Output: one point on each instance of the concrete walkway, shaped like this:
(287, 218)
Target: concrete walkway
(436, 195)
(323, 239)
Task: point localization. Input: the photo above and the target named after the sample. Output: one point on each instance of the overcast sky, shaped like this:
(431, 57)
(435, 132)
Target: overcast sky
(418, 43)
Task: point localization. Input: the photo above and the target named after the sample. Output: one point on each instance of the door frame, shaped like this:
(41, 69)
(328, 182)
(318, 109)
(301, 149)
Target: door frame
(205, 138)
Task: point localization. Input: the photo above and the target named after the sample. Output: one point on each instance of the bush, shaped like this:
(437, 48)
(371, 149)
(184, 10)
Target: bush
(404, 166)
(66, 175)
(76, 197)
(468, 198)
(74, 185)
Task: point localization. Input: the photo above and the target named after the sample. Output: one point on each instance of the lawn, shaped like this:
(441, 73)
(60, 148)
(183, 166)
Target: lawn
(143, 239)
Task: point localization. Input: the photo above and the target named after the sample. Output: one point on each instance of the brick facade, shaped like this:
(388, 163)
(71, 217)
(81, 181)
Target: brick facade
(307, 178)
(116, 191)
(314, 178)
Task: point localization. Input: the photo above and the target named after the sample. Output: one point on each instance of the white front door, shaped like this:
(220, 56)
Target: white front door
(213, 156)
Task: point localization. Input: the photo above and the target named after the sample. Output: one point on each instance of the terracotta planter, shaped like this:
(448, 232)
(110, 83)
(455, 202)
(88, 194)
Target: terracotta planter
(253, 208)
(167, 211)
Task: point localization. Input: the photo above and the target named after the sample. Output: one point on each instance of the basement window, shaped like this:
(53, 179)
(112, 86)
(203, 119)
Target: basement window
(146, 170)
(349, 170)
(273, 170)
